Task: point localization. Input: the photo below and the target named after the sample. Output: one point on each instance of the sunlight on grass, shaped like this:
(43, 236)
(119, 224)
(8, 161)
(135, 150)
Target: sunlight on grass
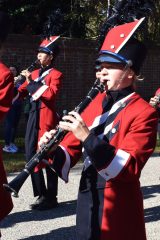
(157, 149)
(15, 166)
(15, 162)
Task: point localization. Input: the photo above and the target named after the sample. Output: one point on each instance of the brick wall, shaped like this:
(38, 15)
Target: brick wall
(76, 61)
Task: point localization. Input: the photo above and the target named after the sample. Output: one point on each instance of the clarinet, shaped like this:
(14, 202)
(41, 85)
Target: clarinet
(14, 186)
(20, 78)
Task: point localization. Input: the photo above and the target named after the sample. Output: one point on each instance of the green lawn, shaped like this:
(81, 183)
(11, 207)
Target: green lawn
(157, 149)
(14, 162)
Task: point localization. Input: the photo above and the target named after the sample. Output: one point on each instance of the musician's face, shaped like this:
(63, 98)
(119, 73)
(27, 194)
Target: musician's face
(114, 76)
(44, 58)
(13, 70)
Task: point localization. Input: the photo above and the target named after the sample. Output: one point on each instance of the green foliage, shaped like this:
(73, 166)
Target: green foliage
(82, 17)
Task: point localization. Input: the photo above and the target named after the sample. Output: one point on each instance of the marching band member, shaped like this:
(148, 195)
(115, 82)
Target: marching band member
(6, 95)
(155, 102)
(12, 119)
(42, 85)
(116, 134)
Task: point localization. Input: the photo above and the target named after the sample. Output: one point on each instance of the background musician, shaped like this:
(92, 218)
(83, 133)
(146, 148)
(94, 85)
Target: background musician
(42, 85)
(12, 118)
(6, 95)
(155, 102)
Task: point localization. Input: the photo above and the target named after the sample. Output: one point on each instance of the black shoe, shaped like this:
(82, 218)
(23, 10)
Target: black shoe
(46, 205)
(39, 201)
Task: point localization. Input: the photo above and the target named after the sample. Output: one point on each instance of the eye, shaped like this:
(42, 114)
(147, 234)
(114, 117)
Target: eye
(112, 67)
(108, 68)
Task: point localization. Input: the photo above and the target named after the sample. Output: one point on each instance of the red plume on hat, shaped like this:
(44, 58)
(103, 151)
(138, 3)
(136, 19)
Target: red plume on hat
(51, 33)
(119, 44)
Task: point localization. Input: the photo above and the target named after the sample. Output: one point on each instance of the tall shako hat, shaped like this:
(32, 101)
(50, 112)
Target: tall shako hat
(120, 46)
(48, 45)
(4, 25)
(51, 31)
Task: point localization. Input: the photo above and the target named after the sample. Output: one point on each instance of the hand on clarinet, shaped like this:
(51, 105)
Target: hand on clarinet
(154, 101)
(27, 75)
(74, 123)
(71, 122)
(47, 136)
(98, 74)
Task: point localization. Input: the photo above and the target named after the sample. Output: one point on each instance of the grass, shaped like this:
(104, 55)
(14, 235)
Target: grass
(15, 162)
(157, 149)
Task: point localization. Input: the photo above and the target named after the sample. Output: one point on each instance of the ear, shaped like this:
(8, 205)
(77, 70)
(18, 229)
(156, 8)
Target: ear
(131, 74)
(51, 57)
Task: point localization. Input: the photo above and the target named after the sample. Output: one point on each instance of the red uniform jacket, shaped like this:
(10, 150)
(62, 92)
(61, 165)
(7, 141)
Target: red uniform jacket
(46, 91)
(132, 139)
(6, 95)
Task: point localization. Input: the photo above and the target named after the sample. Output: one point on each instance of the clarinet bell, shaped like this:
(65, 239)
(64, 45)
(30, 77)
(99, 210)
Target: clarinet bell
(15, 185)
(10, 190)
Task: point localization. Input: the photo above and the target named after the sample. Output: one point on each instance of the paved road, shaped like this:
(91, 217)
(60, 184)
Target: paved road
(59, 224)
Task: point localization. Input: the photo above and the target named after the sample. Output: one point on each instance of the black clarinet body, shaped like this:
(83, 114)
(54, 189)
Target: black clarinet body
(14, 186)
